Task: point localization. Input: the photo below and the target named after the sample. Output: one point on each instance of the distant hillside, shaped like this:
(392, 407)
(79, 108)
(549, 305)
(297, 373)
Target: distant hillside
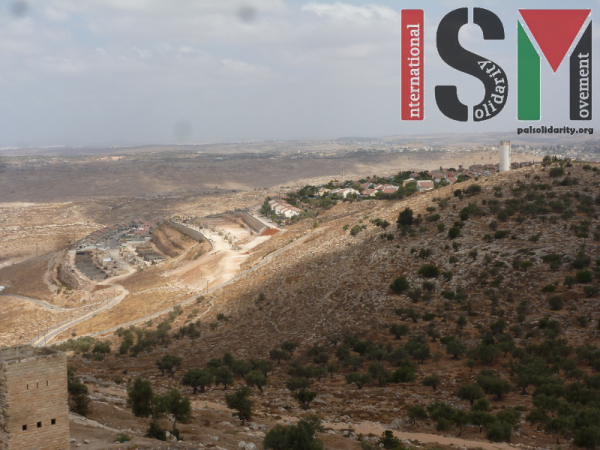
(496, 286)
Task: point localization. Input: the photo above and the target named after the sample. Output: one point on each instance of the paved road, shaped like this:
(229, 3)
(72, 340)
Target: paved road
(56, 330)
(42, 303)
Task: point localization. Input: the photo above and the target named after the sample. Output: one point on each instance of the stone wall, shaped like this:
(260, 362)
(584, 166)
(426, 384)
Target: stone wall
(256, 225)
(194, 234)
(34, 411)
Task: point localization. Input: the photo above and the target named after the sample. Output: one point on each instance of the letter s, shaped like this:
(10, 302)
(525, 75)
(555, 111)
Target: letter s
(457, 57)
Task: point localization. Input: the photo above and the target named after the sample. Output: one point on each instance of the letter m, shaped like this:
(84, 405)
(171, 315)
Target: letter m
(554, 31)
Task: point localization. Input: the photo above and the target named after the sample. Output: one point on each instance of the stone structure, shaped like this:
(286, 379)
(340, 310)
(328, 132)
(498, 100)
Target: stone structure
(255, 225)
(504, 165)
(34, 409)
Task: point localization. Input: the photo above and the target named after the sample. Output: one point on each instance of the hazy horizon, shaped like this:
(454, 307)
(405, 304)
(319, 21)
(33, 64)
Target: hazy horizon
(118, 73)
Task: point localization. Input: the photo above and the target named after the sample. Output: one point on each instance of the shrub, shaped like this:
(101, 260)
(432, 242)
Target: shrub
(400, 284)
(296, 436)
(429, 271)
(78, 393)
(591, 290)
(406, 217)
(549, 288)
(416, 412)
(241, 403)
(454, 232)
(441, 227)
(431, 381)
(556, 303)
(499, 432)
(526, 265)
(588, 436)
(355, 230)
(470, 393)
(501, 234)
(556, 172)
(122, 438)
(473, 189)
(156, 432)
(583, 276)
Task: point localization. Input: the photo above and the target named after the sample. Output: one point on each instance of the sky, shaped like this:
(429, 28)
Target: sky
(128, 72)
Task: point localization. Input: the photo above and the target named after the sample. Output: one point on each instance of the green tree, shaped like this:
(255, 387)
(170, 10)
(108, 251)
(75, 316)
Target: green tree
(78, 393)
(588, 436)
(455, 348)
(293, 384)
(470, 392)
(470, 364)
(538, 417)
(481, 404)
(256, 379)
(102, 348)
(400, 284)
(570, 280)
(399, 330)
(223, 376)
(332, 368)
(358, 379)
(378, 372)
(278, 354)
(300, 436)
(305, 397)
(481, 419)
(583, 276)
(289, 346)
(499, 432)
(429, 271)
(416, 412)
(454, 232)
(228, 360)
(140, 397)
(405, 218)
(461, 322)
(241, 403)
(178, 406)
(498, 387)
(169, 363)
(432, 381)
(197, 378)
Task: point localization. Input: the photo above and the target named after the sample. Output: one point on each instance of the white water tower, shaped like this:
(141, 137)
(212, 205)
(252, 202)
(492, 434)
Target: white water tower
(504, 156)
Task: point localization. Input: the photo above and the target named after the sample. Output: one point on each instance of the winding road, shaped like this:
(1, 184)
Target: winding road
(54, 332)
(42, 303)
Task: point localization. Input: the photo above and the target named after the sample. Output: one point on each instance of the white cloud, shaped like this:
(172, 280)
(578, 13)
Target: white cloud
(343, 11)
(55, 15)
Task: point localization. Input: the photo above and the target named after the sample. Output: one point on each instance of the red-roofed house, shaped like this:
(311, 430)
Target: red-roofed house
(425, 185)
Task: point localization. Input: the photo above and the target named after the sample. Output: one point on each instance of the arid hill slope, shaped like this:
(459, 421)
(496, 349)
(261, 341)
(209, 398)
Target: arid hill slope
(520, 234)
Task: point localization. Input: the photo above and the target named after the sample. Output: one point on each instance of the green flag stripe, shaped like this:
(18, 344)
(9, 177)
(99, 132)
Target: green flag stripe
(528, 78)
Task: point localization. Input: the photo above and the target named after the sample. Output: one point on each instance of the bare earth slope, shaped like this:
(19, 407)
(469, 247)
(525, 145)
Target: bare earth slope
(519, 235)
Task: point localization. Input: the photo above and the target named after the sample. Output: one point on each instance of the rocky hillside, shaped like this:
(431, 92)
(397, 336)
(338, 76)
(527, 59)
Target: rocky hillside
(483, 293)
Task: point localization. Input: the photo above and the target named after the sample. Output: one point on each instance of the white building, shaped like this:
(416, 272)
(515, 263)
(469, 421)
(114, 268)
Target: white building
(424, 185)
(504, 156)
